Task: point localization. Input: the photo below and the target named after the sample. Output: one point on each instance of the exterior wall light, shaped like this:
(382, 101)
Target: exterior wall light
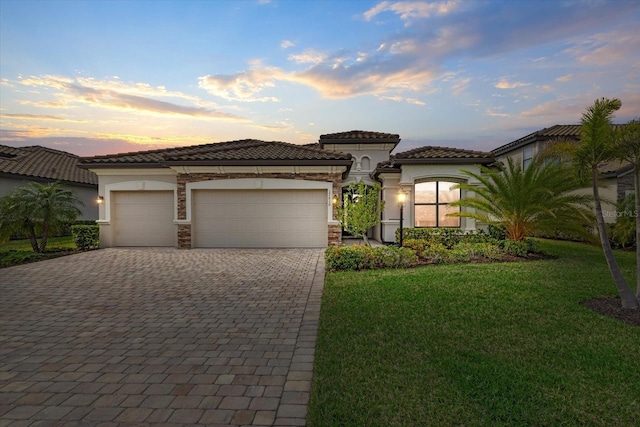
(100, 200)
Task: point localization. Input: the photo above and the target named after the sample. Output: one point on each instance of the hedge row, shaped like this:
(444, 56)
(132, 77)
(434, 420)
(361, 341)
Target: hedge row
(365, 258)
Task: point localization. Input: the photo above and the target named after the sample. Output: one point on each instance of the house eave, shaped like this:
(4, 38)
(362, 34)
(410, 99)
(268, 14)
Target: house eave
(443, 161)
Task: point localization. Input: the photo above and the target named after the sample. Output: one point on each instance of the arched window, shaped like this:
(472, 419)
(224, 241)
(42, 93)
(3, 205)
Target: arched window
(432, 199)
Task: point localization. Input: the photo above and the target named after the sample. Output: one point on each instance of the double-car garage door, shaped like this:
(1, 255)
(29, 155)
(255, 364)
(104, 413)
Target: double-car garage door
(259, 219)
(224, 218)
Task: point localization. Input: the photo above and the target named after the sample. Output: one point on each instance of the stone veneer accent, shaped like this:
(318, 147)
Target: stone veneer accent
(184, 230)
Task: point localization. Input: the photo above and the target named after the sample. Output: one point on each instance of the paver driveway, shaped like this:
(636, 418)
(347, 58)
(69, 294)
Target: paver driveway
(147, 336)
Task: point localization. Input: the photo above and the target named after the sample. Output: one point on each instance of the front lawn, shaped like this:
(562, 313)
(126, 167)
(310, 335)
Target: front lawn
(16, 252)
(477, 345)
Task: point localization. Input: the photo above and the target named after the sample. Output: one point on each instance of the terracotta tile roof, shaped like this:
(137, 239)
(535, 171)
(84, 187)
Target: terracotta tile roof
(248, 151)
(555, 132)
(45, 164)
(386, 167)
(615, 167)
(359, 136)
(430, 155)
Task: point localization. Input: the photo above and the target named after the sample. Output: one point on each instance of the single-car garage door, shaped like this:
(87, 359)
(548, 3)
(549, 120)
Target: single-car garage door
(260, 218)
(143, 218)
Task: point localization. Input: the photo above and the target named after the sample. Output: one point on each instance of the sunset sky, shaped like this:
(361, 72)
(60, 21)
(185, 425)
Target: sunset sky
(98, 77)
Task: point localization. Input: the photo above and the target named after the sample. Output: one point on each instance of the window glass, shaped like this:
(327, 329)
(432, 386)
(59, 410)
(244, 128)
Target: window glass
(425, 216)
(432, 200)
(426, 192)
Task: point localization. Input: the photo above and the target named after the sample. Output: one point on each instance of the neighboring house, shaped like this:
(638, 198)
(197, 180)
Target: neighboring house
(616, 178)
(271, 194)
(21, 165)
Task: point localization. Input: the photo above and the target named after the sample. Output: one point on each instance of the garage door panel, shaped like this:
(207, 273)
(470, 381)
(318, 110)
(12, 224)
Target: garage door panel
(260, 218)
(143, 218)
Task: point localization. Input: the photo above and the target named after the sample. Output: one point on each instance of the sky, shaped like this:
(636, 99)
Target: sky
(102, 77)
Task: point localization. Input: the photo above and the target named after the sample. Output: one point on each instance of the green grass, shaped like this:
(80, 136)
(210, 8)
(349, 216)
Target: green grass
(477, 345)
(16, 252)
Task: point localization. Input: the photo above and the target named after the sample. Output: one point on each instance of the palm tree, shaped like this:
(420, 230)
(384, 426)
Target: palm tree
(597, 145)
(37, 209)
(627, 147)
(537, 199)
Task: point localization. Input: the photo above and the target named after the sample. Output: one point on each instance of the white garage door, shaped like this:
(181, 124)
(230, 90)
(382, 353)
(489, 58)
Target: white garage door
(143, 218)
(260, 218)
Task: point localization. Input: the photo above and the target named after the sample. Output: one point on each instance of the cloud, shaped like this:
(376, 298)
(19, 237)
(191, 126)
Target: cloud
(491, 113)
(565, 78)
(286, 44)
(504, 84)
(243, 86)
(413, 101)
(408, 10)
(308, 56)
(38, 117)
(460, 86)
(405, 63)
(605, 49)
(122, 96)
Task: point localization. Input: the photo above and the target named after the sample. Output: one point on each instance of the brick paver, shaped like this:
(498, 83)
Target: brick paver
(159, 335)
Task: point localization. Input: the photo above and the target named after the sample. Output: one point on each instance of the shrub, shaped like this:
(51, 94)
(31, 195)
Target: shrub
(86, 236)
(393, 257)
(449, 237)
(352, 258)
(522, 248)
(486, 250)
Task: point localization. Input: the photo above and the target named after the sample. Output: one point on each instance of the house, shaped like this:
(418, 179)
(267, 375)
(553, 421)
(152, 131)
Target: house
(616, 178)
(21, 165)
(253, 193)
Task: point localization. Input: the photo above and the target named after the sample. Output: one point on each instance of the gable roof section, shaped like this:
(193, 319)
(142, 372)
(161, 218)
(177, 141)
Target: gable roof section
(555, 132)
(44, 164)
(438, 155)
(359, 137)
(234, 153)
(432, 155)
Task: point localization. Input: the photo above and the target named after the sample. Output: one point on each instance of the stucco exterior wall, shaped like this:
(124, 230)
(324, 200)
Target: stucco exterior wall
(405, 181)
(87, 194)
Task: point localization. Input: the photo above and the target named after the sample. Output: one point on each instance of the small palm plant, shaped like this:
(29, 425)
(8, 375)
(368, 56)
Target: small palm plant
(538, 199)
(37, 209)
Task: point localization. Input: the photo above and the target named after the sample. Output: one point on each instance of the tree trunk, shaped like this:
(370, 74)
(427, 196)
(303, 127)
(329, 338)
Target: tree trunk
(45, 236)
(629, 299)
(365, 239)
(31, 231)
(636, 175)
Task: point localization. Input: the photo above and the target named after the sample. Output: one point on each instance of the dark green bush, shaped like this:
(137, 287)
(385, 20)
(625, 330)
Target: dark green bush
(490, 251)
(449, 237)
(352, 258)
(86, 236)
(522, 248)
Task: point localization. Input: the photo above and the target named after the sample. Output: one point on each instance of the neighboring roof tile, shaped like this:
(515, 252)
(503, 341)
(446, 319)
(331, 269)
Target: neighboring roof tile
(248, 151)
(431, 154)
(359, 136)
(44, 163)
(386, 167)
(615, 167)
(569, 132)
